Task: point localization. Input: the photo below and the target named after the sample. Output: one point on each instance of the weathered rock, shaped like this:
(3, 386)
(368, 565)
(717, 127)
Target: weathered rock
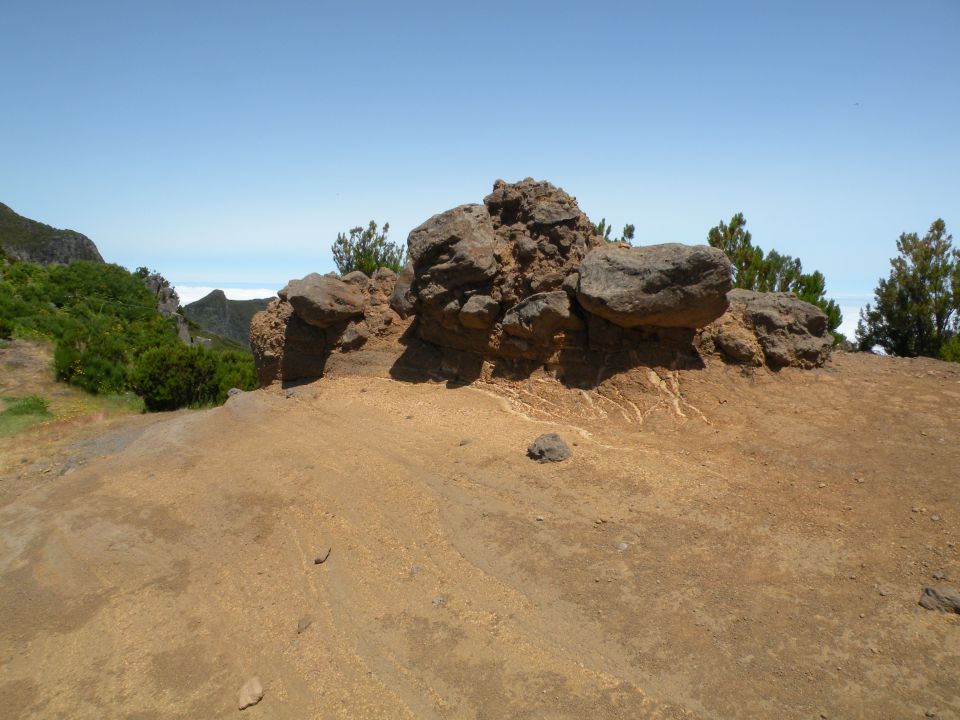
(669, 285)
(402, 299)
(357, 277)
(323, 301)
(549, 447)
(479, 312)
(539, 317)
(940, 600)
(454, 248)
(250, 694)
(354, 336)
(776, 329)
(285, 347)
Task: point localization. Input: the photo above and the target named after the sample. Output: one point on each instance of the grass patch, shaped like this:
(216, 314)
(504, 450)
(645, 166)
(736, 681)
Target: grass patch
(20, 413)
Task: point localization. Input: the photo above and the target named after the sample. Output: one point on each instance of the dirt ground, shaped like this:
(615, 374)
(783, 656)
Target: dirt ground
(721, 544)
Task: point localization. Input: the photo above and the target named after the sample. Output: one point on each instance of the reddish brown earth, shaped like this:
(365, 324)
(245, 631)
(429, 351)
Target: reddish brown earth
(716, 547)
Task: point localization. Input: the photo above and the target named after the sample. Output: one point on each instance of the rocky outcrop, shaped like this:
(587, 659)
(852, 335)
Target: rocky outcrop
(774, 329)
(168, 304)
(313, 317)
(25, 239)
(524, 281)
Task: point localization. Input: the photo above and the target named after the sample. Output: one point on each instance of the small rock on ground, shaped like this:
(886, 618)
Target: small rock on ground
(942, 600)
(250, 694)
(549, 447)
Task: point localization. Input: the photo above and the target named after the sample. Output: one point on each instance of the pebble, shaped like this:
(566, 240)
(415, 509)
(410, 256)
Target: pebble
(465, 441)
(822, 485)
(539, 518)
(303, 624)
(941, 576)
(439, 600)
(883, 592)
(322, 557)
(935, 518)
(250, 694)
(622, 546)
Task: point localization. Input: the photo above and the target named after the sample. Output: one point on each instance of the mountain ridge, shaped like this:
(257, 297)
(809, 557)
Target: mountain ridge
(25, 239)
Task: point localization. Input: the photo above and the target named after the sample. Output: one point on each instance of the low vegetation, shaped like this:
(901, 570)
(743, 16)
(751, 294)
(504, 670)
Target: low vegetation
(772, 272)
(21, 412)
(108, 334)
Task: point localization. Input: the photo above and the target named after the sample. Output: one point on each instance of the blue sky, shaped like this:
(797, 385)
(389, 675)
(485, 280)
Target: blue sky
(226, 143)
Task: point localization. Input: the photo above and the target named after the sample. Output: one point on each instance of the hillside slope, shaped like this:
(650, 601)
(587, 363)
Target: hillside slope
(229, 318)
(26, 239)
(722, 544)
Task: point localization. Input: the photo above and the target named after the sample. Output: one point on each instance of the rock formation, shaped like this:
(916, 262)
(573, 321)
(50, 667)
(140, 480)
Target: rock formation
(524, 281)
(312, 317)
(168, 304)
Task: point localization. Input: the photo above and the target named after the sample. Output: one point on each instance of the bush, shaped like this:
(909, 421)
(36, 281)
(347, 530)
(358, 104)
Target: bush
(951, 350)
(367, 251)
(181, 376)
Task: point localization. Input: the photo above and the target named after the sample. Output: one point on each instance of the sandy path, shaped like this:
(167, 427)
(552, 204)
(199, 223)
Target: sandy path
(724, 565)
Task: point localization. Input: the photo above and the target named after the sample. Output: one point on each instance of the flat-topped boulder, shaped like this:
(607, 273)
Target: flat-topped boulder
(669, 285)
(323, 301)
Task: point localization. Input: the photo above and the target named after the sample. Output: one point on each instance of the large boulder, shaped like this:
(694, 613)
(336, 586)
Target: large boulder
(324, 301)
(454, 248)
(669, 285)
(774, 329)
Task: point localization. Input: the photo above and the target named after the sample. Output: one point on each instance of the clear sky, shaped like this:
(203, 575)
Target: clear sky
(226, 143)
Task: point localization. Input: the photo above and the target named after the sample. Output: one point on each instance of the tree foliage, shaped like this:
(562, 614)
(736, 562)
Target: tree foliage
(367, 250)
(916, 309)
(771, 272)
(626, 236)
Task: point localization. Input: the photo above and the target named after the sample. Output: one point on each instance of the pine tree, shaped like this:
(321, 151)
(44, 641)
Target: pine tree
(916, 309)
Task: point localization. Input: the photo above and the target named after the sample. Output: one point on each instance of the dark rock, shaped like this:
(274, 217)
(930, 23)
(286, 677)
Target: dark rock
(234, 391)
(539, 317)
(323, 301)
(322, 557)
(285, 347)
(668, 285)
(354, 336)
(940, 600)
(479, 312)
(776, 329)
(548, 448)
(454, 248)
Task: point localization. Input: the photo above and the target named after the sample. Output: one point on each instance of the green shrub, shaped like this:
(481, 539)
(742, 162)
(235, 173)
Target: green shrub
(180, 376)
(367, 251)
(950, 350)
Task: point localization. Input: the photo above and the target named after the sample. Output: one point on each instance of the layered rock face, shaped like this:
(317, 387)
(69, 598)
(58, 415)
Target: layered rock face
(774, 329)
(312, 317)
(524, 281)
